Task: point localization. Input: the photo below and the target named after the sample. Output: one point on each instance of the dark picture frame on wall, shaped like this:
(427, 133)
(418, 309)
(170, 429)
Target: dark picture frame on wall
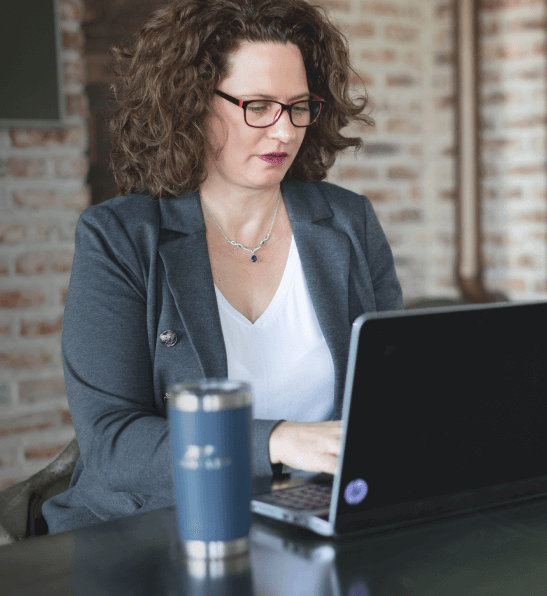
(31, 80)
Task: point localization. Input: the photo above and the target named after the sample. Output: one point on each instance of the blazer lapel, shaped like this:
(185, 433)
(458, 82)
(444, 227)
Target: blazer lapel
(183, 249)
(324, 254)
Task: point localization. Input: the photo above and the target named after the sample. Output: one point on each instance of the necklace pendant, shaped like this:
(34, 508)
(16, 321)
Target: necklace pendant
(254, 259)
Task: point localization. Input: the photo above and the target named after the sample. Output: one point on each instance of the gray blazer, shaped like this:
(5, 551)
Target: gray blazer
(141, 267)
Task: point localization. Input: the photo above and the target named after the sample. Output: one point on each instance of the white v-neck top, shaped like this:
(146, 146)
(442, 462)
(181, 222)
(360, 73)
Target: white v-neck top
(283, 355)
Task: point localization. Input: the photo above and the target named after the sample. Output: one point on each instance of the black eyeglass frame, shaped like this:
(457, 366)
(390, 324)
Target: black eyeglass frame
(244, 104)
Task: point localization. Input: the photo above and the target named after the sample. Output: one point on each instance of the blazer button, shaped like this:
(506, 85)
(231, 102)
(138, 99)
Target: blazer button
(166, 397)
(168, 338)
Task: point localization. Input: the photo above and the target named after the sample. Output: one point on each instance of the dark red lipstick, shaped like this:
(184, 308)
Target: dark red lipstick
(274, 158)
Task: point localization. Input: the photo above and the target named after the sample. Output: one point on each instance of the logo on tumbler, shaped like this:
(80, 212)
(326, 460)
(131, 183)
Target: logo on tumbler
(196, 457)
(355, 491)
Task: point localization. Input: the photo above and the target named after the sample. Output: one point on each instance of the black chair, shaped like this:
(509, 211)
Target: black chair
(21, 503)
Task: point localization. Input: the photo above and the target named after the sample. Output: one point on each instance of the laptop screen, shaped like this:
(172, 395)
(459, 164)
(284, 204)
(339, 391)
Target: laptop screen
(446, 402)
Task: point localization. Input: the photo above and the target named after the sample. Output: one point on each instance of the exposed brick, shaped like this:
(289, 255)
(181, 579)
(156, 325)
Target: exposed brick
(340, 5)
(381, 196)
(378, 56)
(75, 136)
(26, 298)
(443, 10)
(20, 360)
(26, 168)
(508, 4)
(384, 9)
(488, 29)
(497, 145)
(534, 216)
(444, 58)
(524, 24)
(44, 262)
(489, 77)
(496, 98)
(527, 261)
(403, 126)
(5, 331)
(528, 122)
(64, 292)
(360, 30)
(487, 170)
(4, 267)
(449, 152)
(415, 150)
(447, 195)
(402, 173)
(70, 167)
(400, 80)
(513, 193)
(74, 73)
(527, 170)
(398, 33)
(79, 199)
(66, 419)
(380, 149)
(13, 233)
(357, 172)
(8, 456)
(27, 423)
(361, 78)
(40, 389)
(516, 284)
(532, 74)
(43, 451)
(415, 194)
(70, 10)
(443, 103)
(495, 239)
(73, 40)
(76, 105)
(41, 328)
(406, 216)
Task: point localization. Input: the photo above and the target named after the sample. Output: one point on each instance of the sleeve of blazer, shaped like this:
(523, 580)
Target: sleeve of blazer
(387, 289)
(124, 441)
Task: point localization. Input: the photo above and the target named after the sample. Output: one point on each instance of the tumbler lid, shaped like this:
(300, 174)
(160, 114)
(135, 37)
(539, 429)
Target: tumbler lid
(209, 395)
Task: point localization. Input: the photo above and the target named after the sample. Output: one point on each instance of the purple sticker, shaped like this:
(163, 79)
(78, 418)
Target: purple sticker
(355, 491)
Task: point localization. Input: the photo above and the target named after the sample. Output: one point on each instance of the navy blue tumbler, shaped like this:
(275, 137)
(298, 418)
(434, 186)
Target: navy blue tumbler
(211, 443)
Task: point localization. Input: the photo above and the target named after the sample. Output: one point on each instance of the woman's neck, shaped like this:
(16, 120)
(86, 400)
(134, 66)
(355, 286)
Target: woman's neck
(243, 218)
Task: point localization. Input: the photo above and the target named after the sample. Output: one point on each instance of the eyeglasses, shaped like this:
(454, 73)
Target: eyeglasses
(261, 113)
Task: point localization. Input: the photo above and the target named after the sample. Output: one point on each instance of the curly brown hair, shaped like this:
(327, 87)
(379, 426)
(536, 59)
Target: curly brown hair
(178, 58)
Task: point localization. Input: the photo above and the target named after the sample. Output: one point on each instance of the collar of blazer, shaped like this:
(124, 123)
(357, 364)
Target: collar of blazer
(324, 253)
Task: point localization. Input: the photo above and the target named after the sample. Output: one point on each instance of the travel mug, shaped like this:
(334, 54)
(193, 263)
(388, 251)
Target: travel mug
(211, 443)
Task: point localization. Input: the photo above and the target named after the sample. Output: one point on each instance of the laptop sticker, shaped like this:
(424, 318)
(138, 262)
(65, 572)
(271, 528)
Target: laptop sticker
(355, 491)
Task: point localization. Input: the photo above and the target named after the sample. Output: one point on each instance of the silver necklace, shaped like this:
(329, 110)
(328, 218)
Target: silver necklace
(253, 258)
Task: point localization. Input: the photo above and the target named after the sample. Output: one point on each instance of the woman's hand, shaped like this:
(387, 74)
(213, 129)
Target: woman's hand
(310, 446)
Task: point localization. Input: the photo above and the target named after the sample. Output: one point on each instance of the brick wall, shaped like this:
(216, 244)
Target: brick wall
(514, 120)
(404, 53)
(42, 193)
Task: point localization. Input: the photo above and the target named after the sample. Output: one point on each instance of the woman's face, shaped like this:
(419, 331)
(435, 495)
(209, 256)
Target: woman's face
(271, 69)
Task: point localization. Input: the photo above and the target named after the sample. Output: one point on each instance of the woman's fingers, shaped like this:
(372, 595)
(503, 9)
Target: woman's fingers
(310, 446)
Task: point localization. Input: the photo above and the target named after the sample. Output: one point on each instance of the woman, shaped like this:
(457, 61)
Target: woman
(217, 261)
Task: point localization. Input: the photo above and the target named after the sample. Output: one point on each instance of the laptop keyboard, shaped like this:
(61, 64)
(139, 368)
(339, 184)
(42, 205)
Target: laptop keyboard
(301, 498)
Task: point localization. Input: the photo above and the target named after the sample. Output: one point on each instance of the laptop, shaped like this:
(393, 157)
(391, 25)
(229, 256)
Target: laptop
(444, 413)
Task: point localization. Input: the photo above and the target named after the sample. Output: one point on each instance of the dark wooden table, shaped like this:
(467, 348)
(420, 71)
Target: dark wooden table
(497, 552)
